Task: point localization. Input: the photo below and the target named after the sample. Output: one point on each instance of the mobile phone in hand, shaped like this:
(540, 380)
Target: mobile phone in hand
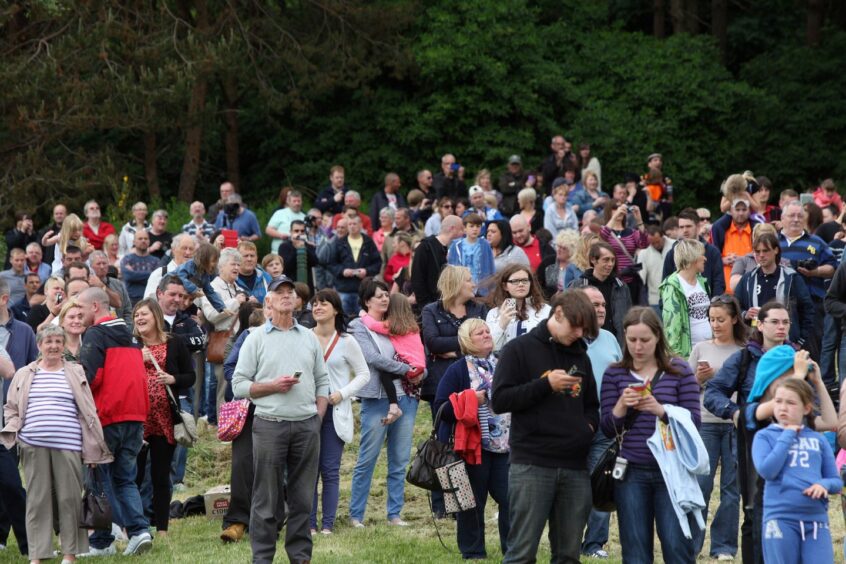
(297, 374)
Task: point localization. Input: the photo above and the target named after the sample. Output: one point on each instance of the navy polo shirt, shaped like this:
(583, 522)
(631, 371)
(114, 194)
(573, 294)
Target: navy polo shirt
(808, 247)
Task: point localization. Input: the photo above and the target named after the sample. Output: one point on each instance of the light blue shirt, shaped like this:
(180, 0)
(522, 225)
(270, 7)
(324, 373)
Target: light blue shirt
(603, 352)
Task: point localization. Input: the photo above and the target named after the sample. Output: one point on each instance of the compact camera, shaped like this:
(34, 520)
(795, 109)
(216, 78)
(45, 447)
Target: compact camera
(620, 467)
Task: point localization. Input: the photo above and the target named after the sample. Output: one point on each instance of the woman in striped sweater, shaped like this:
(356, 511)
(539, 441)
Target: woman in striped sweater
(633, 395)
(626, 243)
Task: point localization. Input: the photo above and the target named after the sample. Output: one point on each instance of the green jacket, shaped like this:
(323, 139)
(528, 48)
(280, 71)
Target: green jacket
(675, 316)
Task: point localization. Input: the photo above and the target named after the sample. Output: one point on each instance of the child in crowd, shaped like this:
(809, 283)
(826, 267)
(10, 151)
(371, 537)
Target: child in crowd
(273, 265)
(198, 273)
(798, 466)
(400, 259)
(401, 328)
(473, 251)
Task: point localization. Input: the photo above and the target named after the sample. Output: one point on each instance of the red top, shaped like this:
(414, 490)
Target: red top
(468, 433)
(159, 419)
(396, 263)
(96, 239)
(533, 251)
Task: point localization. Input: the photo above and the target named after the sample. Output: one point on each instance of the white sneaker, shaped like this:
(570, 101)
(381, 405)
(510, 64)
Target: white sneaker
(118, 533)
(725, 557)
(356, 524)
(398, 522)
(108, 551)
(139, 544)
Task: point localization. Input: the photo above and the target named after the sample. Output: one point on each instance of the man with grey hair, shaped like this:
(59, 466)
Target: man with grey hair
(160, 237)
(34, 262)
(281, 370)
(198, 226)
(113, 286)
(114, 368)
(17, 341)
(226, 190)
(279, 225)
(94, 229)
(352, 201)
(237, 217)
(181, 251)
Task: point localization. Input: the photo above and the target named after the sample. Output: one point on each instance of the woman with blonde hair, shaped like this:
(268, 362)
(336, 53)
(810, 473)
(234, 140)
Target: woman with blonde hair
(581, 257)
(483, 179)
(592, 197)
(557, 274)
(684, 299)
(71, 320)
(111, 247)
(127, 233)
(71, 234)
(527, 199)
(474, 374)
(441, 320)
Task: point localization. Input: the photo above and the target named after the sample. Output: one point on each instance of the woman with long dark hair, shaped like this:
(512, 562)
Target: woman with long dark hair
(343, 358)
(502, 244)
(706, 359)
(633, 396)
(517, 304)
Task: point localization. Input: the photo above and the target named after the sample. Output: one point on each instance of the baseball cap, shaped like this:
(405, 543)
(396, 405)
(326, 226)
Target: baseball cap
(475, 189)
(279, 281)
(739, 201)
(514, 159)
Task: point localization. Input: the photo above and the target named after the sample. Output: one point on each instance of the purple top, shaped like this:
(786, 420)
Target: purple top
(679, 389)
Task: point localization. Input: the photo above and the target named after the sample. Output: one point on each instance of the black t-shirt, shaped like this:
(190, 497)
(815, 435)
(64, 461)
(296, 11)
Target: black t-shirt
(37, 315)
(165, 239)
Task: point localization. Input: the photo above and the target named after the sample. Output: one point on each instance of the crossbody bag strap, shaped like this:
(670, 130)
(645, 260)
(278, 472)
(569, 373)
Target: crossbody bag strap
(328, 351)
(622, 245)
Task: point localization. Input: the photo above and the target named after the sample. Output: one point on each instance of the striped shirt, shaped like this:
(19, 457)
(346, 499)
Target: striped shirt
(679, 389)
(51, 415)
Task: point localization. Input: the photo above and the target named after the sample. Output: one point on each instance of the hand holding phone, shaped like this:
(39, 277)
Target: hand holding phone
(297, 374)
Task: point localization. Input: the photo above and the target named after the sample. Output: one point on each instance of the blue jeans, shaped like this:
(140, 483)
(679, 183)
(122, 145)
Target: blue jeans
(329, 468)
(211, 394)
(399, 435)
(180, 457)
(349, 301)
(537, 493)
(721, 444)
(124, 440)
(491, 476)
(596, 534)
(643, 504)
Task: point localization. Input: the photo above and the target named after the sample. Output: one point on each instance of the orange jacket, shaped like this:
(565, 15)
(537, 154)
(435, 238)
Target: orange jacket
(468, 433)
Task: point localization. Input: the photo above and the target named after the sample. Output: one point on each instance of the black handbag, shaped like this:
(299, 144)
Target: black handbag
(96, 512)
(602, 481)
(431, 455)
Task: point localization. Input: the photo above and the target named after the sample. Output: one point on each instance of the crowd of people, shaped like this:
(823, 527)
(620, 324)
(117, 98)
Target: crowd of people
(541, 318)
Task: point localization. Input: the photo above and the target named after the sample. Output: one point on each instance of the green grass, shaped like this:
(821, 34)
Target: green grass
(196, 539)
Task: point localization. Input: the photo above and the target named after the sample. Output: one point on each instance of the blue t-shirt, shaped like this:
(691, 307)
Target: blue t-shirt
(603, 352)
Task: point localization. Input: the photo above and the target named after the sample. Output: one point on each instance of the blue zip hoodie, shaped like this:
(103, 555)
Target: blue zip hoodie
(790, 462)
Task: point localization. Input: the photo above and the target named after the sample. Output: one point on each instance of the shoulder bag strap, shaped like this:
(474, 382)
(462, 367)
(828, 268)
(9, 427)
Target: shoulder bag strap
(622, 245)
(328, 351)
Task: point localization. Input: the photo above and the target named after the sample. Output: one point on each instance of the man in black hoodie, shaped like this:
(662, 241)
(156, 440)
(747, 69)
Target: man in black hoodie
(545, 380)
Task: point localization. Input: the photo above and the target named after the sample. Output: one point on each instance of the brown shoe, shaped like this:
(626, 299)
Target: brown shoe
(233, 533)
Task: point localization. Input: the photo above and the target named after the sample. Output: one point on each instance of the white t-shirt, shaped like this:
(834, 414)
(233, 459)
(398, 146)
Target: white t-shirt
(697, 310)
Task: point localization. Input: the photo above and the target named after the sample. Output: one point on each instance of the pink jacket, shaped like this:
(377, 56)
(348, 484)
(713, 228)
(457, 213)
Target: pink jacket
(408, 346)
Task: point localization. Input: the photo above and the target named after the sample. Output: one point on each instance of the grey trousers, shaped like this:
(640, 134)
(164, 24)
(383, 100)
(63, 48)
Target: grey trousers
(53, 484)
(292, 446)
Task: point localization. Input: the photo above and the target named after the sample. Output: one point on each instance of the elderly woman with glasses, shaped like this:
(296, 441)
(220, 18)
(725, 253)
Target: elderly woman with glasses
(684, 298)
(50, 414)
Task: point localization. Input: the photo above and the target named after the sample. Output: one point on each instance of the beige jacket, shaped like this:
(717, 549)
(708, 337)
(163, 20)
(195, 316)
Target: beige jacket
(94, 449)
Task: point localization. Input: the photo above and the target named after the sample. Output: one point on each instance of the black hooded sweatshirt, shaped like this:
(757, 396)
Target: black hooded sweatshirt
(550, 429)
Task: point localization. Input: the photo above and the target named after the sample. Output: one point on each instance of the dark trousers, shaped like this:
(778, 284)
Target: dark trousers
(280, 446)
(13, 498)
(491, 476)
(329, 471)
(160, 453)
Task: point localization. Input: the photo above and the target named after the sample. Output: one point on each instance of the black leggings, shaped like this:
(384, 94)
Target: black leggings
(161, 456)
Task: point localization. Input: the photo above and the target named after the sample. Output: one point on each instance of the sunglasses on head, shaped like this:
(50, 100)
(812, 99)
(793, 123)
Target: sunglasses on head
(723, 299)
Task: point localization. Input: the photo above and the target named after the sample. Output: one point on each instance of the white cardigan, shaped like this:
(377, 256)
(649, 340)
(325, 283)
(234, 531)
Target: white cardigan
(346, 361)
(500, 337)
(220, 320)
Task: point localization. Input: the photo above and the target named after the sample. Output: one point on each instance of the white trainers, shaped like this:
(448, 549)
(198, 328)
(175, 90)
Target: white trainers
(108, 551)
(139, 544)
(725, 557)
(118, 533)
(398, 522)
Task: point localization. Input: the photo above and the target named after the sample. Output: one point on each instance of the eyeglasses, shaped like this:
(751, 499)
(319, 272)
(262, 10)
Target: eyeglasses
(777, 322)
(708, 218)
(723, 299)
(447, 206)
(519, 281)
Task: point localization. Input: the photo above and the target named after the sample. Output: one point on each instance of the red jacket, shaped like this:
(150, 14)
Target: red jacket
(96, 239)
(468, 432)
(115, 369)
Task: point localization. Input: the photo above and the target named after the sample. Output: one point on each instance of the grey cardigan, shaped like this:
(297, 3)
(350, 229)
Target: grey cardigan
(376, 361)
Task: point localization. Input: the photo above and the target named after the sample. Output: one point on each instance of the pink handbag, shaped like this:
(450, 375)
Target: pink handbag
(231, 418)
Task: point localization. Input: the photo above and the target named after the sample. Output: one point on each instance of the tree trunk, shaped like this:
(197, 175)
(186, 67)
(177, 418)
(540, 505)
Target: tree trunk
(814, 22)
(719, 24)
(193, 140)
(230, 116)
(151, 172)
(677, 15)
(659, 20)
(691, 15)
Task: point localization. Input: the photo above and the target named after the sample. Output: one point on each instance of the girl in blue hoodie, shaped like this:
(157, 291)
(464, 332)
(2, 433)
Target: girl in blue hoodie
(797, 464)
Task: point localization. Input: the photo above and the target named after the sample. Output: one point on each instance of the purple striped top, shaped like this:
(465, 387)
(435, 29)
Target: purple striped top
(680, 389)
